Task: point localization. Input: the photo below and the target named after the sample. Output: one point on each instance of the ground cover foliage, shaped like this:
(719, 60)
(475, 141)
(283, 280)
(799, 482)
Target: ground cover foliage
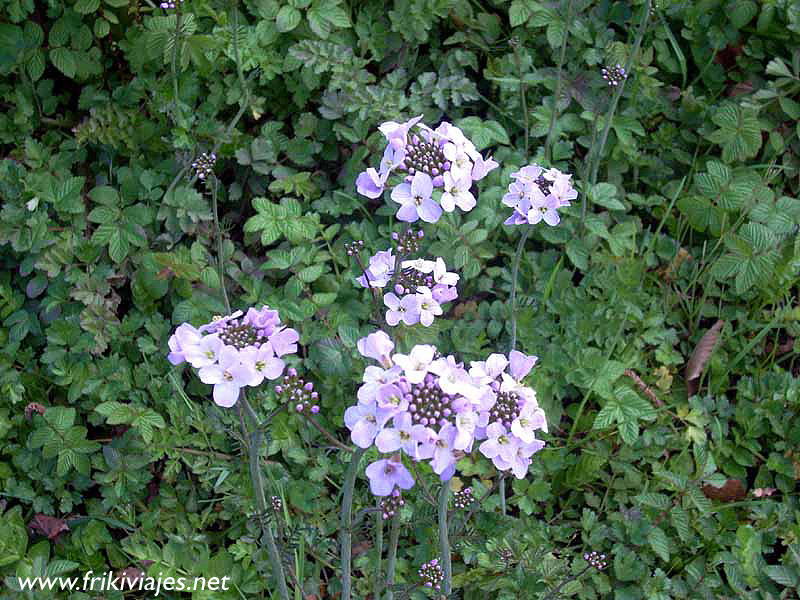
(663, 308)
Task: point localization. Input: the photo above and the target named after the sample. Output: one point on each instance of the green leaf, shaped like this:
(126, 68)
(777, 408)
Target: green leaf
(64, 60)
(629, 431)
(578, 253)
(680, 521)
(719, 186)
(605, 194)
(103, 214)
(35, 64)
(739, 132)
(659, 543)
(311, 273)
(519, 13)
(483, 133)
(101, 28)
(118, 246)
(741, 12)
(288, 18)
(780, 574)
(86, 7)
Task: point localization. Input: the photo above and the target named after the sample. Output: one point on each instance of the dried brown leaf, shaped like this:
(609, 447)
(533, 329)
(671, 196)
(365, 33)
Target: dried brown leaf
(703, 351)
(732, 491)
(49, 526)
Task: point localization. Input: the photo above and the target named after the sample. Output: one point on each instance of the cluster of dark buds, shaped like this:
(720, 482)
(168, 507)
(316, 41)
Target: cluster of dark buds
(277, 503)
(204, 165)
(614, 75)
(354, 248)
(431, 574)
(598, 561)
(463, 498)
(298, 392)
(391, 504)
(408, 242)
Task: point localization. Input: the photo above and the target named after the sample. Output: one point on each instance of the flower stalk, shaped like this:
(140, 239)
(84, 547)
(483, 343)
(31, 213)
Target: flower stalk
(444, 541)
(617, 94)
(514, 272)
(394, 537)
(261, 501)
(346, 523)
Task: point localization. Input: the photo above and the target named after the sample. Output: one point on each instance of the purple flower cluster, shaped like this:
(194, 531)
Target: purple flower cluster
(614, 75)
(204, 165)
(438, 409)
(419, 287)
(169, 4)
(231, 353)
(298, 392)
(429, 159)
(432, 574)
(536, 195)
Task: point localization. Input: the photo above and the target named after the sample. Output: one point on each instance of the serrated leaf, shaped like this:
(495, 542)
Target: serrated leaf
(578, 253)
(311, 273)
(605, 195)
(518, 13)
(741, 12)
(783, 575)
(118, 246)
(101, 28)
(64, 60)
(287, 18)
(659, 543)
(629, 431)
(739, 132)
(86, 7)
(607, 415)
(680, 521)
(654, 500)
(35, 64)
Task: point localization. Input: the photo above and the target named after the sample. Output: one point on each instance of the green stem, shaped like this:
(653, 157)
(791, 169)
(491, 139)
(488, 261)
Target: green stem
(444, 496)
(175, 54)
(618, 94)
(345, 530)
(548, 154)
(514, 271)
(261, 501)
(524, 102)
(394, 537)
(220, 255)
(502, 484)
(378, 550)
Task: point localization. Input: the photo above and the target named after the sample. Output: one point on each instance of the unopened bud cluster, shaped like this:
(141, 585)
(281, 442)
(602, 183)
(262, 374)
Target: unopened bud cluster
(425, 156)
(598, 561)
(614, 75)
(298, 392)
(391, 504)
(463, 498)
(277, 503)
(408, 242)
(354, 248)
(204, 165)
(431, 574)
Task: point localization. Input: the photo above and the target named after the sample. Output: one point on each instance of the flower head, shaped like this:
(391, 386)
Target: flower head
(233, 352)
(386, 474)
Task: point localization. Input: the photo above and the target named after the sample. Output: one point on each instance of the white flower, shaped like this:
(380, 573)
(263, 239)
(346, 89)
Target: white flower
(416, 364)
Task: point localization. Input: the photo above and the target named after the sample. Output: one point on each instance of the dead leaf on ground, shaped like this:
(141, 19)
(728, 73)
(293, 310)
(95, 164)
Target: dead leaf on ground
(701, 355)
(49, 526)
(732, 491)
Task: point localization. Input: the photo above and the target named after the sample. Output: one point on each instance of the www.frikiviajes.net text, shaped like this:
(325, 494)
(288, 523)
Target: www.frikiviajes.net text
(109, 582)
